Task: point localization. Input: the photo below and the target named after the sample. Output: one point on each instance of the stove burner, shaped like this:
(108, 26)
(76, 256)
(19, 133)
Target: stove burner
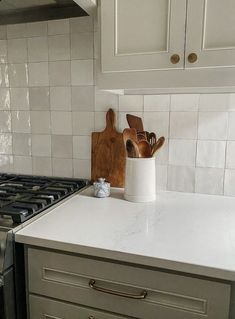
(22, 196)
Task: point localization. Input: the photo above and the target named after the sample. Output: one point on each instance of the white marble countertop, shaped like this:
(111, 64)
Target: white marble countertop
(183, 232)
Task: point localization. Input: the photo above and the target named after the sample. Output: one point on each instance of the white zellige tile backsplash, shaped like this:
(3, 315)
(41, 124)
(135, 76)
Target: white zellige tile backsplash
(49, 106)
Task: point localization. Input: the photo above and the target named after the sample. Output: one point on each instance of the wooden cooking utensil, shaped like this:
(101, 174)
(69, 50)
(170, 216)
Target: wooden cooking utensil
(130, 134)
(144, 149)
(158, 145)
(135, 122)
(152, 139)
(132, 149)
(108, 153)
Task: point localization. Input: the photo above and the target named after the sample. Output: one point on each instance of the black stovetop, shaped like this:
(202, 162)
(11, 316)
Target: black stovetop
(23, 196)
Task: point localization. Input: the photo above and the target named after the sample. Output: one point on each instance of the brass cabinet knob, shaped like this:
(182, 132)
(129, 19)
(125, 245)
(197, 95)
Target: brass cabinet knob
(175, 58)
(192, 58)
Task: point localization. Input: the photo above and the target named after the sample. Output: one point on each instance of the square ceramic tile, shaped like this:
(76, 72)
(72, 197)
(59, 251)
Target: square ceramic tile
(62, 167)
(153, 103)
(16, 31)
(39, 98)
(5, 143)
(4, 99)
(105, 100)
(6, 163)
(231, 126)
(5, 121)
(36, 29)
(122, 121)
(22, 144)
(18, 75)
(182, 152)
(183, 125)
(19, 98)
(23, 165)
(82, 168)
(17, 50)
(60, 26)
(214, 102)
(82, 46)
(37, 49)
(61, 123)
(41, 145)
(229, 183)
(82, 147)
(62, 146)
(42, 166)
(38, 74)
(213, 125)
(100, 121)
(4, 77)
(21, 122)
(82, 72)
(3, 32)
(181, 179)
(83, 123)
(162, 155)
(161, 177)
(230, 156)
(59, 47)
(60, 73)
(184, 102)
(209, 181)
(83, 98)
(40, 122)
(211, 154)
(157, 122)
(81, 24)
(3, 51)
(60, 98)
(131, 103)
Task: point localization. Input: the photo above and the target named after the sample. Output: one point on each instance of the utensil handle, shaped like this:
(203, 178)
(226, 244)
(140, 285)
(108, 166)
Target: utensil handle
(142, 295)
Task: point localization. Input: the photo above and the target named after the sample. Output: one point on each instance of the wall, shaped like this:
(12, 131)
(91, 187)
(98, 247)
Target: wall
(49, 106)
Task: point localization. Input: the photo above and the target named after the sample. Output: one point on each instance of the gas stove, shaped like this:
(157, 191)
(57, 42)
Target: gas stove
(22, 197)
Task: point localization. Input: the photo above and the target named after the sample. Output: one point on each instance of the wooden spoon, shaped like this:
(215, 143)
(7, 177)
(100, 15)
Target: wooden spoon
(158, 145)
(132, 149)
(135, 122)
(144, 149)
(130, 134)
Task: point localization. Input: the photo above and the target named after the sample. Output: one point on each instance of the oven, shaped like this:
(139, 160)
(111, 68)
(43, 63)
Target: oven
(7, 295)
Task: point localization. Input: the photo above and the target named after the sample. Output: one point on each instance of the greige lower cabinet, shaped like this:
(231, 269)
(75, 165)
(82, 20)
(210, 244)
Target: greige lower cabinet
(117, 290)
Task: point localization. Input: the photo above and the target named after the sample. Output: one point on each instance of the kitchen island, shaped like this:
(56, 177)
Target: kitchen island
(188, 237)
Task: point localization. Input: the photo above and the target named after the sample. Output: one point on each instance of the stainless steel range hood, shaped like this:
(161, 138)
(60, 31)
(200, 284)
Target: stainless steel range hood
(18, 11)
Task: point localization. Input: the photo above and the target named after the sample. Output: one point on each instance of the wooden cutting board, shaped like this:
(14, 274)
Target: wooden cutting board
(108, 153)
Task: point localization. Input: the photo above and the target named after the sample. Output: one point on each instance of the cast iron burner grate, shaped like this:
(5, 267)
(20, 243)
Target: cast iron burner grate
(24, 196)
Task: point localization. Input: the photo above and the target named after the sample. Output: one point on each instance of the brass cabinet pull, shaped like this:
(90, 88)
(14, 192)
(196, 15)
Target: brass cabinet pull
(192, 58)
(143, 294)
(175, 58)
(91, 317)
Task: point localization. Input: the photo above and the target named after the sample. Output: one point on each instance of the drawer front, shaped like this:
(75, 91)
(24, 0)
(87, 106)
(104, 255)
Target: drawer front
(44, 308)
(129, 290)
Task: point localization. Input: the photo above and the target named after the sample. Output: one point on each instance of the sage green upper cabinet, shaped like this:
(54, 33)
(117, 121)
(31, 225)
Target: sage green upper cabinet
(142, 35)
(210, 33)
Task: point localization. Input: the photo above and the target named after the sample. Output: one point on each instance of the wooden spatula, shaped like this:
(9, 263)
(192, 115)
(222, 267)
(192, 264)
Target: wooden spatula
(135, 122)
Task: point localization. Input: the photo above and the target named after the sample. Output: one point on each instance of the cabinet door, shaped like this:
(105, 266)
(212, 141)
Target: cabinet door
(139, 35)
(210, 33)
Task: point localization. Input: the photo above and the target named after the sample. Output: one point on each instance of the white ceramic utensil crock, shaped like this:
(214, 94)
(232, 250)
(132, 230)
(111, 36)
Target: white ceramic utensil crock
(140, 180)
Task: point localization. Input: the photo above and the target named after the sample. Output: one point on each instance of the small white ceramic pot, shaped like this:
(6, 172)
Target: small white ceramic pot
(140, 180)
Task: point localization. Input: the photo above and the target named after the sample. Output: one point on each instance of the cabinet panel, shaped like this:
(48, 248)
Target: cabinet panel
(142, 35)
(132, 291)
(45, 308)
(211, 33)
